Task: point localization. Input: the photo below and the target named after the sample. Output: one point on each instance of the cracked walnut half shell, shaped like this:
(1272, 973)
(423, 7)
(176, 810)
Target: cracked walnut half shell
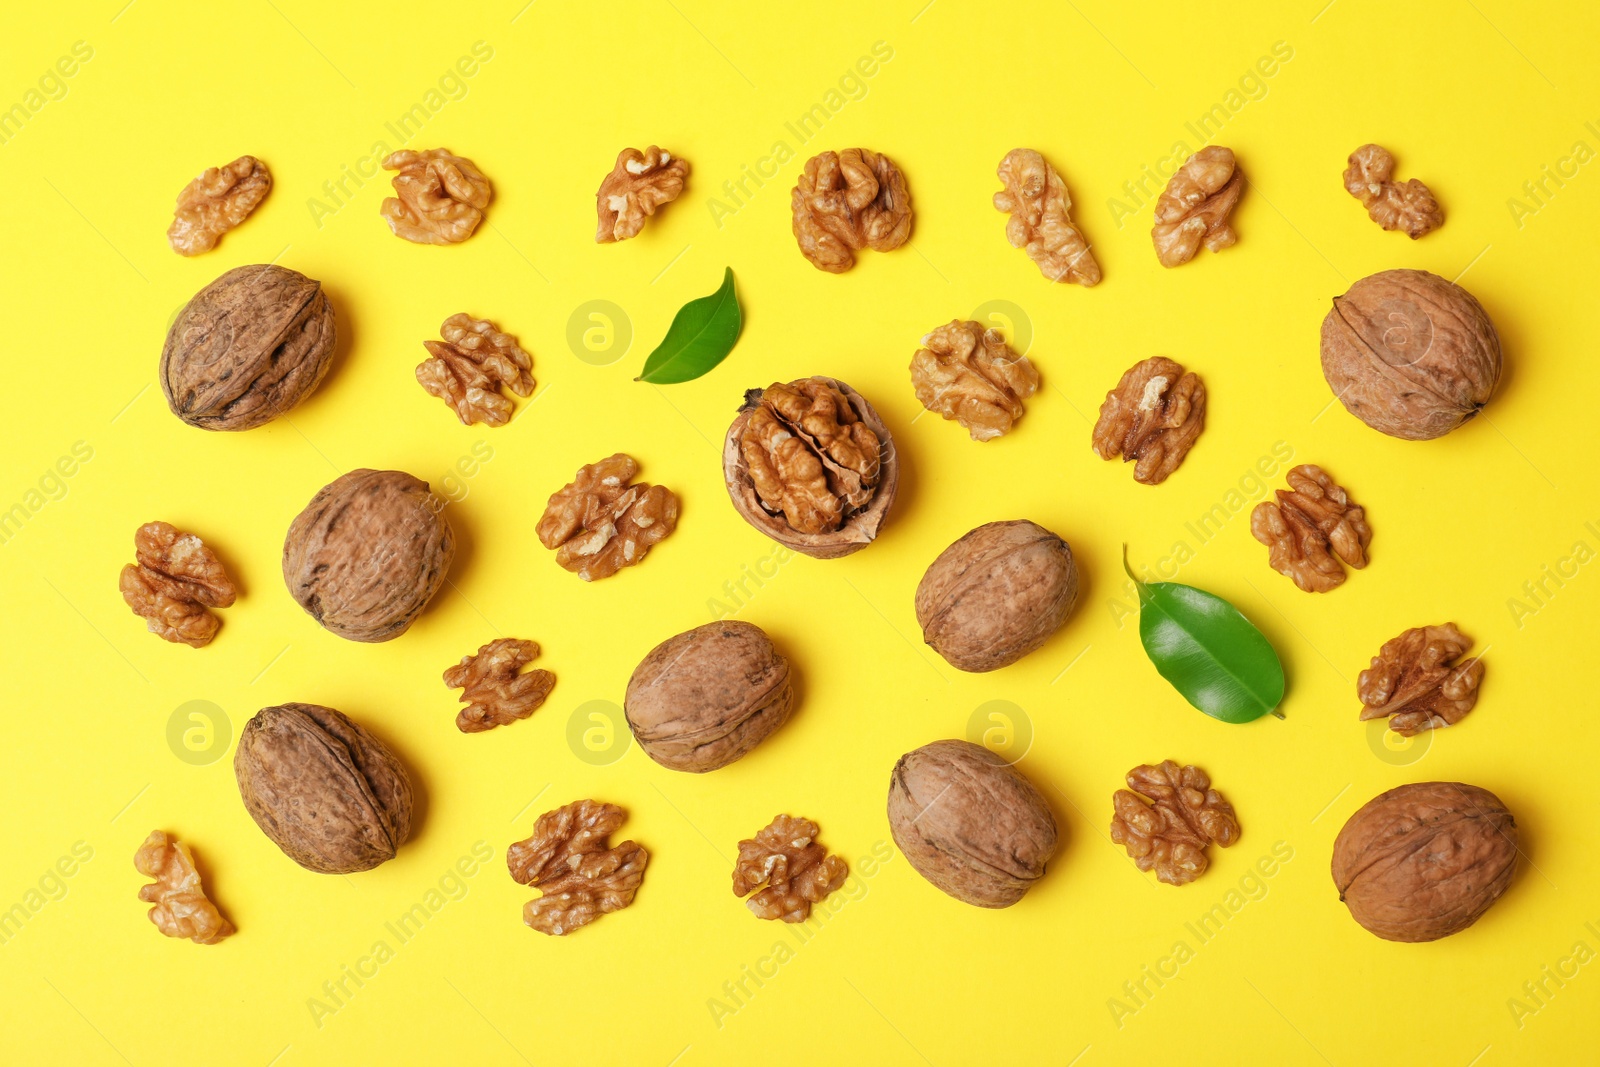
(602, 521)
(640, 183)
(811, 465)
(1312, 530)
(579, 874)
(969, 374)
(1416, 682)
(1166, 818)
(1041, 223)
(1194, 208)
(470, 366)
(439, 196)
(847, 201)
(1152, 418)
(176, 579)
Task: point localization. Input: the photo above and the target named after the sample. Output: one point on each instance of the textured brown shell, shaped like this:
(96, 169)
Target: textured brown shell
(367, 554)
(247, 348)
(858, 531)
(708, 696)
(1410, 354)
(970, 823)
(997, 594)
(1424, 861)
(327, 792)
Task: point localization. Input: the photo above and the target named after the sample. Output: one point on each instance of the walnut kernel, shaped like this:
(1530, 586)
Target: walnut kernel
(847, 201)
(1152, 418)
(493, 690)
(1194, 207)
(439, 197)
(1408, 206)
(1040, 223)
(969, 374)
(636, 186)
(174, 581)
(580, 875)
(181, 906)
(1415, 682)
(1310, 528)
(215, 202)
(1166, 818)
(468, 368)
(787, 869)
(601, 522)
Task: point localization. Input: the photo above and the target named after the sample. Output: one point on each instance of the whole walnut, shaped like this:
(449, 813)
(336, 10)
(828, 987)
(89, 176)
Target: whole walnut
(247, 348)
(997, 594)
(327, 792)
(367, 554)
(1410, 354)
(708, 696)
(970, 823)
(1424, 861)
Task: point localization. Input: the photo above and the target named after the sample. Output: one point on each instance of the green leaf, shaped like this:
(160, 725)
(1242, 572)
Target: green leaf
(701, 336)
(1210, 653)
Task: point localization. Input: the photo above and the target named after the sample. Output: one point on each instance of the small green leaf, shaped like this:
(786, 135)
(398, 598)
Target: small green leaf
(701, 336)
(1212, 655)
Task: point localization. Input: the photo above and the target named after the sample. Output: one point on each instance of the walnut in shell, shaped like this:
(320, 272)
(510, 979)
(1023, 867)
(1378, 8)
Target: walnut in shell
(811, 465)
(786, 869)
(439, 196)
(969, 374)
(492, 687)
(1425, 861)
(215, 202)
(1416, 683)
(1194, 208)
(334, 798)
(367, 554)
(636, 186)
(996, 594)
(847, 201)
(1152, 418)
(468, 368)
(580, 875)
(970, 823)
(708, 696)
(1410, 354)
(1167, 816)
(1408, 206)
(247, 348)
(1312, 530)
(181, 906)
(602, 521)
(176, 579)
(1041, 223)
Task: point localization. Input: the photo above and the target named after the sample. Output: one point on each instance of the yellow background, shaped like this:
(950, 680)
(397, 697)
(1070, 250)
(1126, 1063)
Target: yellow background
(1476, 98)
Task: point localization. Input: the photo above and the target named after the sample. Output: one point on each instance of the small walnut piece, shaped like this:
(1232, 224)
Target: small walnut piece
(1152, 418)
(1040, 222)
(967, 373)
(1312, 526)
(847, 201)
(787, 869)
(1166, 818)
(439, 198)
(181, 908)
(600, 523)
(467, 369)
(581, 877)
(495, 694)
(215, 202)
(174, 581)
(636, 186)
(1194, 207)
(1415, 683)
(1408, 206)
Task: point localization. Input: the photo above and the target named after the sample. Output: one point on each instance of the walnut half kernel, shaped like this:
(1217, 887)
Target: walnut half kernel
(1416, 682)
(1408, 206)
(569, 860)
(969, 374)
(181, 906)
(439, 196)
(1152, 418)
(1195, 206)
(470, 366)
(1166, 818)
(640, 183)
(847, 201)
(493, 690)
(176, 579)
(1311, 528)
(786, 869)
(601, 521)
(215, 202)
(1040, 223)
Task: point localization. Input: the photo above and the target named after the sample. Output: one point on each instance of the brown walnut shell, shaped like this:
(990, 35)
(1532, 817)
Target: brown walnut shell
(327, 792)
(368, 553)
(1424, 861)
(247, 348)
(970, 823)
(1410, 354)
(858, 530)
(997, 594)
(708, 696)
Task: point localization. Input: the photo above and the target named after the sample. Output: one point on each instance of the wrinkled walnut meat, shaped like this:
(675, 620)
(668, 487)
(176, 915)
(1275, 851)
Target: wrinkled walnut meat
(1194, 207)
(600, 523)
(568, 859)
(809, 454)
(1152, 418)
(1408, 206)
(1040, 222)
(174, 581)
(787, 869)
(215, 202)
(181, 907)
(847, 201)
(495, 694)
(1312, 526)
(636, 186)
(969, 374)
(1415, 682)
(1166, 818)
(468, 368)
(439, 197)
